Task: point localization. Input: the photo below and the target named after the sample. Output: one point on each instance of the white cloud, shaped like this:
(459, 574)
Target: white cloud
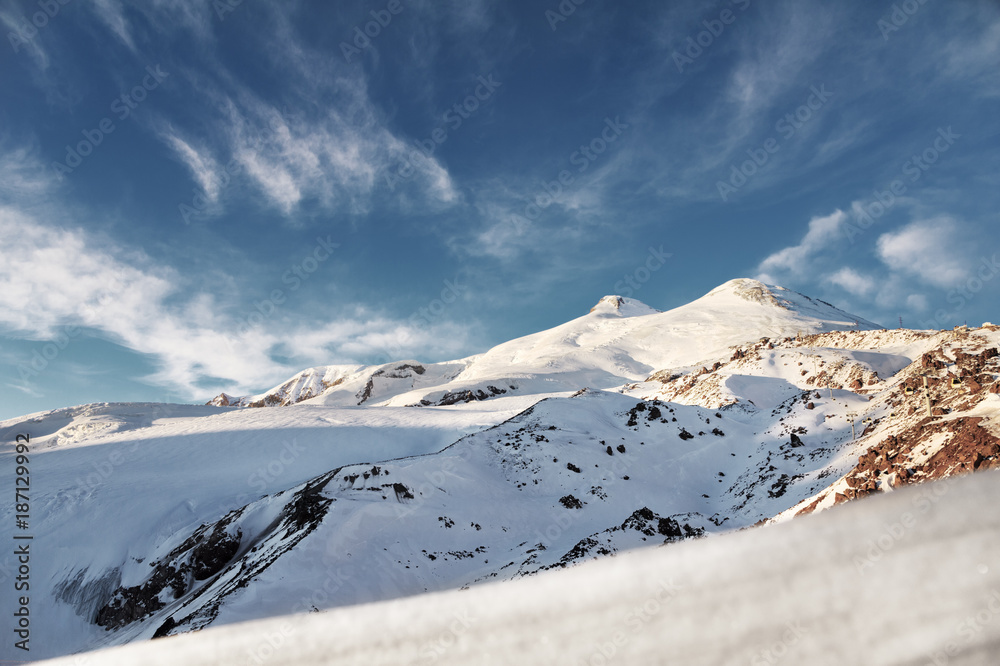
(853, 282)
(903, 270)
(917, 302)
(14, 24)
(53, 277)
(204, 169)
(796, 259)
(934, 251)
(23, 177)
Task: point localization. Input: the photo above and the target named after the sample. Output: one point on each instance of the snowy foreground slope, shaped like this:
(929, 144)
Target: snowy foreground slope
(908, 578)
(624, 428)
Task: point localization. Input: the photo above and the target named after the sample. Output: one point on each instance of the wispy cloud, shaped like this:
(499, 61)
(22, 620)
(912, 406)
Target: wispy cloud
(22, 175)
(112, 14)
(326, 144)
(768, 68)
(317, 140)
(203, 167)
(965, 47)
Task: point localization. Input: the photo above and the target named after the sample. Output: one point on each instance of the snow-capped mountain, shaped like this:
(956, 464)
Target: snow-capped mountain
(626, 427)
(618, 341)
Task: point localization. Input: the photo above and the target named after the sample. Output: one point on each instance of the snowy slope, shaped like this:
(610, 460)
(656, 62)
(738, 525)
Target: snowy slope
(112, 483)
(852, 586)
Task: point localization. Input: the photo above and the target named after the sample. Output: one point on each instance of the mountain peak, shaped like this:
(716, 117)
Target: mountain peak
(622, 307)
(611, 301)
(755, 291)
(751, 290)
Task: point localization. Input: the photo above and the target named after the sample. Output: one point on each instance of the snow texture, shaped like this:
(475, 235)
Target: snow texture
(909, 578)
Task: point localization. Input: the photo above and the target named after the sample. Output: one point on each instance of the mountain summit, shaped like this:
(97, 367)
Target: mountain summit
(621, 306)
(756, 292)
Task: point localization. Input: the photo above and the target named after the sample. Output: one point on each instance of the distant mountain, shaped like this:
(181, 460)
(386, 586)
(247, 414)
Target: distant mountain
(624, 428)
(618, 341)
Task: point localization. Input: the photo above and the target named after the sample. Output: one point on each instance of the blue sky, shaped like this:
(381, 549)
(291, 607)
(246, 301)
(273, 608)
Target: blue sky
(201, 196)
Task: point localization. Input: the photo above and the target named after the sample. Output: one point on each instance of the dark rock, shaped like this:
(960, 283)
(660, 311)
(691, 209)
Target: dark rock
(209, 557)
(571, 502)
(165, 628)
